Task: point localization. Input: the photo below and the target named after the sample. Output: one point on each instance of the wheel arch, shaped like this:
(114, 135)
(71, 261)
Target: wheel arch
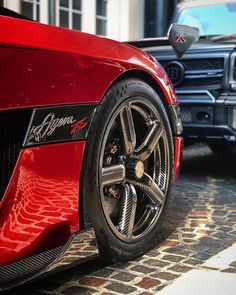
(151, 81)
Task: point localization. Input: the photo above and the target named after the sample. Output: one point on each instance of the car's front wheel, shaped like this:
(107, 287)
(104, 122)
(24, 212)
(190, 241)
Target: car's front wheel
(128, 162)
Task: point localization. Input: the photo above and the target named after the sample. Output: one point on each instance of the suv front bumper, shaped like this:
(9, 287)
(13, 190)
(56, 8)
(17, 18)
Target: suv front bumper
(206, 118)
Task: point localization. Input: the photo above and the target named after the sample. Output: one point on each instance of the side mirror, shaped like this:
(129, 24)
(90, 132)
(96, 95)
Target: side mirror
(181, 37)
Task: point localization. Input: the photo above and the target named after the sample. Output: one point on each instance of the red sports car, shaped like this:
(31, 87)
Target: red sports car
(89, 143)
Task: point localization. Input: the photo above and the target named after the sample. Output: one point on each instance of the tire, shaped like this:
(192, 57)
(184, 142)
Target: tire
(223, 148)
(126, 184)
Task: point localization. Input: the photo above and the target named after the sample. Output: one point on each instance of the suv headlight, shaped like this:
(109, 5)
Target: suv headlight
(232, 73)
(232, 116)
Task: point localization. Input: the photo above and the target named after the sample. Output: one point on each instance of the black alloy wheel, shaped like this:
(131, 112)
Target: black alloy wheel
(130, 155)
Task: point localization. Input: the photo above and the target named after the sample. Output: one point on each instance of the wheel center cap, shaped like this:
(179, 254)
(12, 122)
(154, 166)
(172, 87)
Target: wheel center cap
(134, 169)
(139, 169)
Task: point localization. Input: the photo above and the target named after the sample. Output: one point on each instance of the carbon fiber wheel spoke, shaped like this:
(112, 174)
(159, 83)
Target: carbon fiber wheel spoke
(113, 174)
(146, 219)
(128, 210)
(149, 143)
(148, 186)
(128, 131)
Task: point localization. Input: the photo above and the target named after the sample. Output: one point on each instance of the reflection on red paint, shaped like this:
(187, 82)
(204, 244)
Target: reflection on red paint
(40, 209)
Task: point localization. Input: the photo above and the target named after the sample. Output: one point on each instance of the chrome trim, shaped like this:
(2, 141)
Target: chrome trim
(231, 68)
(197, 48)
(201, 76)
(209, 72)
(194, 93)
(192, 55)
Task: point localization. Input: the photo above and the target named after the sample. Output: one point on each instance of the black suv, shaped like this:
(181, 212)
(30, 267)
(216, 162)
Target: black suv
(205, 78)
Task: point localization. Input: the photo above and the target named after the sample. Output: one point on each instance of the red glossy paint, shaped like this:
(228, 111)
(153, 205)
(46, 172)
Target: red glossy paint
(40, 207)
(179, 145)
(67, 67)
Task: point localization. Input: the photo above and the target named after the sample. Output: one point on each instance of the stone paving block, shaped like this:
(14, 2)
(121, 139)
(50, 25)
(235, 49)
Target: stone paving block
(179, 251)
(169, 243)
(157, 263)
(120, 288)
(204, 231)
(180, 268)
(124, 277)
(152, 254)
(147, 283)
(167, 276)
(172, 258)
(104, 272)
(193, 262)
(189, 235)
(92, 281)
(142, 269)
(189, 241)
(203, 256)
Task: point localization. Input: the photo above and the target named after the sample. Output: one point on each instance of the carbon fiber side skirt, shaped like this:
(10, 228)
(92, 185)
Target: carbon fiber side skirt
(82, 247)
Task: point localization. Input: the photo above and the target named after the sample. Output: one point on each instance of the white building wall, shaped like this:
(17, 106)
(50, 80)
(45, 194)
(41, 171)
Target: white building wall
(114, 19)
(89, 16)
(13, 5)
(136, 19)
(125, 18)
(44, 12)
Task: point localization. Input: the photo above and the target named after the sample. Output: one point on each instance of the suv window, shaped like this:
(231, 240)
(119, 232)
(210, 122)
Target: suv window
(215, 19)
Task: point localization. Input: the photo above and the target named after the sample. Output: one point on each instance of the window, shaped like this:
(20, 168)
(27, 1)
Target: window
(211, 19)
(101, 17)
(69, 14)
(30, 9)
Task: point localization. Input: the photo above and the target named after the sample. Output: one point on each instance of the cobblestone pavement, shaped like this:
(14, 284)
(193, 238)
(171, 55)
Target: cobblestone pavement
(201, 221)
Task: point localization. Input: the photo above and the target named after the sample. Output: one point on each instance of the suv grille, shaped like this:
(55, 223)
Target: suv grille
(13, 127)
(195, 72)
